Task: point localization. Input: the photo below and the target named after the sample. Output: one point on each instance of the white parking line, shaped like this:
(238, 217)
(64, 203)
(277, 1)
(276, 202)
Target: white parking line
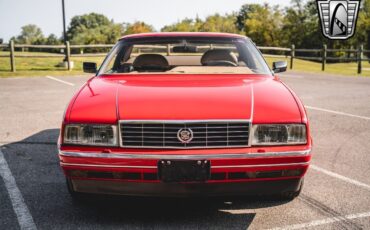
(337, 112)
(61, 81)
(324, 221)
(340, 177)
(291, 76)
(237, 211)
(24, 217)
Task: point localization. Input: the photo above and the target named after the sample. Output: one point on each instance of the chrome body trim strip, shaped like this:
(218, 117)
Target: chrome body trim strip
(155, 167)
(109, 166)
(184, 121)
(251, 133)
(183, 148)
(259, 165)
(184, 157)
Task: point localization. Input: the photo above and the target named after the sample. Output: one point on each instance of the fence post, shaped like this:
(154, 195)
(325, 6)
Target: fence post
(12, 59)
(323, 58)
(168, 49)
(359, 58)
(68, 57)
(292, 54)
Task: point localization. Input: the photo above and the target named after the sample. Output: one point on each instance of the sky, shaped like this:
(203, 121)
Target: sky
(47, 14)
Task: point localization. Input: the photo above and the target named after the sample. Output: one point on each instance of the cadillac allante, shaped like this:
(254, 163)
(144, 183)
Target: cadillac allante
(185, 114)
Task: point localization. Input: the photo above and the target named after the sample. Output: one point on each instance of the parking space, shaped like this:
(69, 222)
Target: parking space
(341, 141)
(336, 193)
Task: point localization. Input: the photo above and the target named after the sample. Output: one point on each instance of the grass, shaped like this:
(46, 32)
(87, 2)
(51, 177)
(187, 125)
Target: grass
(31, 66)
(348, 69)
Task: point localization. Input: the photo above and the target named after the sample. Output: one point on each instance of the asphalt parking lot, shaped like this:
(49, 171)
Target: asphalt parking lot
(336, 193)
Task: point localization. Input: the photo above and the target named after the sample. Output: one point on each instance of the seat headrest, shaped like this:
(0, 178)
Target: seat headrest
(218, 55)
(150, 62)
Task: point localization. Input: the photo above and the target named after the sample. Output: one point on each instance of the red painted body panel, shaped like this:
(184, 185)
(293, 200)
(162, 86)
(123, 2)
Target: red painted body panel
(273, 103)
(255, 97)
(258, 164)
(95, 103)
(188, 97)
(177, 97)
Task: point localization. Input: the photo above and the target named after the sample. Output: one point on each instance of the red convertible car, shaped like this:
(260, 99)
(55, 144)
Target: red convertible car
(184, 114)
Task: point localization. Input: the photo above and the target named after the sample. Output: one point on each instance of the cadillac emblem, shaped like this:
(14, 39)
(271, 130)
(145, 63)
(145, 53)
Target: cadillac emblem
(185, 135)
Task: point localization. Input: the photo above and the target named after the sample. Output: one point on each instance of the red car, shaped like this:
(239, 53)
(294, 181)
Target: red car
(183, 114)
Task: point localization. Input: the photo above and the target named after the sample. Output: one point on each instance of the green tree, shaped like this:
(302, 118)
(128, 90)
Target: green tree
(52, 40)
(213, 23)
(362, 33)
(263, 24)
(301, 25)
(93, 29)
(313, 33)
(244, 14)
(30, 34)
(136, 27)
(185, 25)
(294, 24)
(219, 23)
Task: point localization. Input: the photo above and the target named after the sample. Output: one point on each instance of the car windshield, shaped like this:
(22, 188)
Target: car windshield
(186, 55)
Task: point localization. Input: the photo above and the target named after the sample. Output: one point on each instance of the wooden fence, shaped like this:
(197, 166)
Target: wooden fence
(353, 55)
(323, 56)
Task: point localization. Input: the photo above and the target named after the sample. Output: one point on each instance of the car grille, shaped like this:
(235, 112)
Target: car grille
(205, 134)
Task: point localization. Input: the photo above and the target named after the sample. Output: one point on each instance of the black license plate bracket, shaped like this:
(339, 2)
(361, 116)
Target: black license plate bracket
(172, 171)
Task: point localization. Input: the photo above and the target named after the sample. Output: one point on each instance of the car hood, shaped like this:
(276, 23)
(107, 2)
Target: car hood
(184, 97)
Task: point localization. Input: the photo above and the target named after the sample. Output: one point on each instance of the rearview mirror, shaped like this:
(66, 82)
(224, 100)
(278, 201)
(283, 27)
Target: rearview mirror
(184, 49)
(279, 66)
(89, 67)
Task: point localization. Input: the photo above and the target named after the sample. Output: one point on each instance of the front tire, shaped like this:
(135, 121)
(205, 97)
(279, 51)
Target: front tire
(291, 195)
(77, 196)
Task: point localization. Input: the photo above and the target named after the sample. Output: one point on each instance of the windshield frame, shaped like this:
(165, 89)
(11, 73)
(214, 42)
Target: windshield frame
(178, 39)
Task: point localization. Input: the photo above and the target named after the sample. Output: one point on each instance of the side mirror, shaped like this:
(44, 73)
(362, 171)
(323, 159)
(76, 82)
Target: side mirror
(89, 67)
(279, 66)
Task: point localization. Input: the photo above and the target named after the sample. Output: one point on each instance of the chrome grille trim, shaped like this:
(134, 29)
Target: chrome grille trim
(162, 134)
(209, 156)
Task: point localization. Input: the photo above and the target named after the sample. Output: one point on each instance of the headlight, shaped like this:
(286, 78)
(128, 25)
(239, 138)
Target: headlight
(287, 134)
(85, 134)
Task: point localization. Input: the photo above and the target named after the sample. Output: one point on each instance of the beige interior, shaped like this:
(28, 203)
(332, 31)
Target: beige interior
(185, 60)
(191, 64)
(210, 70)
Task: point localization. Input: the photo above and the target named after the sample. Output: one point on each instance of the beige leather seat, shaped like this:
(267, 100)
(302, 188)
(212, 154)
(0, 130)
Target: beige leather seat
(150, 63)
(219, 57)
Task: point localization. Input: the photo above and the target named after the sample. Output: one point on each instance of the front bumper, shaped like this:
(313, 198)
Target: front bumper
(133, 173)
(184, 190)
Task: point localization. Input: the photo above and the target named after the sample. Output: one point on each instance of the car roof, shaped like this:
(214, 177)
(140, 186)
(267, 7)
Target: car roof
(182, 34)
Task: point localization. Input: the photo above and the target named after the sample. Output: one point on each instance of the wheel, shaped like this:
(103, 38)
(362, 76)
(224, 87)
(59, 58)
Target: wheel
(75, 195)
(290, 195)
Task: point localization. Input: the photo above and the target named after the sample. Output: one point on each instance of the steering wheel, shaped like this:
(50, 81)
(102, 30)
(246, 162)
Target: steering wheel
(220, 63)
